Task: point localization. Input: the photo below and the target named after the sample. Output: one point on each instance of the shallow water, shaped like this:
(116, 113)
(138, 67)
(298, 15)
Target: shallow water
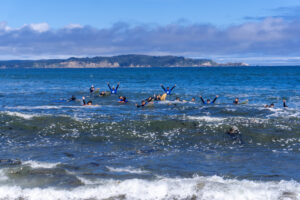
(172, 150)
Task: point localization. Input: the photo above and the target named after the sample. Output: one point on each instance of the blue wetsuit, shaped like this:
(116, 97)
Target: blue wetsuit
(204, 102)
(113, 91)
(168, 91)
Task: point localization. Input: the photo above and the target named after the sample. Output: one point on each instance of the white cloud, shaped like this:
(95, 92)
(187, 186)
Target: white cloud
(40, 27)
(73, 26)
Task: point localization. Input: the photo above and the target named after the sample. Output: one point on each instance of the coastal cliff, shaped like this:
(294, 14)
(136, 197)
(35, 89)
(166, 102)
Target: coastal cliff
(115, 62)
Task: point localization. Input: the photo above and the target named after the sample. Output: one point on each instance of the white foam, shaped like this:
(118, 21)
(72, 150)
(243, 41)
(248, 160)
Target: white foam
(129, 169)
(37, 164)
(204, 188)
(18, 114)
(206, 118)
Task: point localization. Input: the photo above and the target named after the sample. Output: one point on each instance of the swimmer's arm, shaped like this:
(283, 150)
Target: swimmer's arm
(173, 87)
(163, 87)
(215, 99)
(284, 104)
(202, 100)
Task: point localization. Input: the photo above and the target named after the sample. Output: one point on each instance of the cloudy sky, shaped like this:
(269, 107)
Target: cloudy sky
(256, 31)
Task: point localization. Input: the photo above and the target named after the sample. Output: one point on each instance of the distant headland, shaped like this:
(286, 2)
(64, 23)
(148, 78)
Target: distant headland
(121, 61)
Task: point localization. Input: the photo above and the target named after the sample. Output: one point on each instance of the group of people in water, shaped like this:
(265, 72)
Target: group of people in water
(150, 100)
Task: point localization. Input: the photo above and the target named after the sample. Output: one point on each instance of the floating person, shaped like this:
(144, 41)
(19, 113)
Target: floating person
(236, 101)
(104, 93)
(73, 98)
(270, 106)
(193, 99)
(168, 90)
(208, 100)
(235, 134)
(284, 103)
(89, 103)
(92, 89)
(113, 90)
(157, 97)
(122, 99)
(143, 103)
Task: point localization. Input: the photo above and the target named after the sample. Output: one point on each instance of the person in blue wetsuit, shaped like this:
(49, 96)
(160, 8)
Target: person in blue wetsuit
(168, 90)
(208, 100)
(122, 99)
(113, 90)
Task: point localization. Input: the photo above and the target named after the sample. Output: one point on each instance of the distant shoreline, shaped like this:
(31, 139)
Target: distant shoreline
(121, 61)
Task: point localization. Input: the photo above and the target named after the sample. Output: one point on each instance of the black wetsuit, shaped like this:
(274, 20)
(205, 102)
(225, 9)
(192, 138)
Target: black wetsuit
(210, 102)
(92, 89)
(284, 105)
(83, 101)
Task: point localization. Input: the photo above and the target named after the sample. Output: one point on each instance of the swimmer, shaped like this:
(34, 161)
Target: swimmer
(208, 100)
(168, 90)
(92, 89)
(144, 103)
(122, 99)
(193, 99)
(89, 103)
(113, 90)
(270, 106)
(284, 103)
(73, 98)
(236, 101)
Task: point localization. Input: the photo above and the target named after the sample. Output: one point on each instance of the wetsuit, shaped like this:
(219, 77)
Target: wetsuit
(113, 91)
(138, 106)
(72, 99)
(92, 89)
(168, 91)
(210, 102)
(83, 101)
(284, 104)
(124, 100)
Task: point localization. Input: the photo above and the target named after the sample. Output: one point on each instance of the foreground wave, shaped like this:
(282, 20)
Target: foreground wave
(202, 188)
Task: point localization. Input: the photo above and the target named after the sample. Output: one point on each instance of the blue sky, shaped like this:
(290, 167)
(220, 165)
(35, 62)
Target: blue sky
(253, 31)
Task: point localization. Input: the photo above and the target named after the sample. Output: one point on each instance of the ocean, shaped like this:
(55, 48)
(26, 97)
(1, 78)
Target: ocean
(54, 149)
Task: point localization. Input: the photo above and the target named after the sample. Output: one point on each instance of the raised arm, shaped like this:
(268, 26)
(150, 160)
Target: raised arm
(117, 86)
(284, 103)
(215, 99)
(163, 87)
(173, 87)
(109, 86)
(202, 100)
(83, 101)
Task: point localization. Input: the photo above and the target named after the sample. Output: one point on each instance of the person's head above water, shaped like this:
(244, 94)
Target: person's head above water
(177, 99)
(271, 105)
(208, 100)
(193, 99)
(89, 103)
(168, 88)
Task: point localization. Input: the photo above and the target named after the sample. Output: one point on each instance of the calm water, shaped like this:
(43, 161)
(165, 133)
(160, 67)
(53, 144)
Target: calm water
(172, 150)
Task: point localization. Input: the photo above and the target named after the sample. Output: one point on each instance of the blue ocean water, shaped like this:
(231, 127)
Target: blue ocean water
(169, 150)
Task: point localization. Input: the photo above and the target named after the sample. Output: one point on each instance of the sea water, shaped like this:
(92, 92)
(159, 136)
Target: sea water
(54, 149)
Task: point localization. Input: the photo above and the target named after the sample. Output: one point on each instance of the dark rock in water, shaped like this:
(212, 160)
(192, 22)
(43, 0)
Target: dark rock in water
(9, 162)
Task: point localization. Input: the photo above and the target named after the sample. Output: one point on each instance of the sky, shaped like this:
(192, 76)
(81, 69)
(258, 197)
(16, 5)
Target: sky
(258, 32)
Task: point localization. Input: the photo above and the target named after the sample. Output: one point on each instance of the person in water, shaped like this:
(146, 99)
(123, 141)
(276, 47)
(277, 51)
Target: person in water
(89, 103)
(122, 99)
(113, 90)
(270, 106)
(73, 98)
(236, 101)
(144, 103)
(208, 100)
(157, 97)
(168, 90)
(104, 93)
(193, 99)
(92, 89)
(235, 134)
(284, 103)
